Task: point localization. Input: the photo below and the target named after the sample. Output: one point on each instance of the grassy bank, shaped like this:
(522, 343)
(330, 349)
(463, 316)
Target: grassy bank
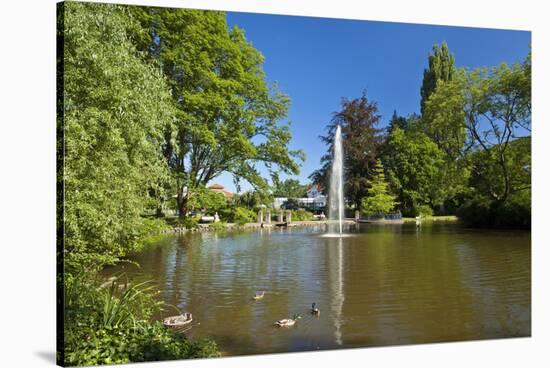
(433, 219)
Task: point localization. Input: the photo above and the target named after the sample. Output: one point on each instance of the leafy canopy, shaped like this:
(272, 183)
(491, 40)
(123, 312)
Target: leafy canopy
(440, 68)
(290, 188)
(414, 165)
(228, 117)
(115, 108)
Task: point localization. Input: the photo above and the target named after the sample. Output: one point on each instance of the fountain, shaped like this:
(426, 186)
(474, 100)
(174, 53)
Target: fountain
(336, 189)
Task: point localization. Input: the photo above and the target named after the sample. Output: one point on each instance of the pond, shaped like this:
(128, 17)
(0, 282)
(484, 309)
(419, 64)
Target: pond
(383, 285)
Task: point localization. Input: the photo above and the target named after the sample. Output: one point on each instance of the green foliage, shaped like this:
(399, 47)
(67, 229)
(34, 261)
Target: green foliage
(220, 225)
(481, 211)
(189, 222)
(289, 188)
(424, 210)
(207, 199)
(243, 215)
(124, 345)
(440, 68)
(302, 215)
(487, 169)
(498, 112)
(414, 165)
(115, 107)
(379, 199)
(254, 199)
(483, 208)
(400, 122)
(227, 114)
(443, 117)
(110, 324)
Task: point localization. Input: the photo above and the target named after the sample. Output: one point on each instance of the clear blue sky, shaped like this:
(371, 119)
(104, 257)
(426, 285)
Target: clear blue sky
(317, 61)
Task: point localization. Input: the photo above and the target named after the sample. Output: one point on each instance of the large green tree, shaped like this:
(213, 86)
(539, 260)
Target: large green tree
(228, 117)
(415, 167)
(497, 112)
(361, 140)
(440, 67)
(113, 111)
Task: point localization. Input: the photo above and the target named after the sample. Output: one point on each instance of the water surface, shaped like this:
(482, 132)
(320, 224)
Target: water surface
(384, 285)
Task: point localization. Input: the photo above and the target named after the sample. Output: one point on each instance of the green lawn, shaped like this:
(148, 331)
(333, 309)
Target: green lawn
(432, 218)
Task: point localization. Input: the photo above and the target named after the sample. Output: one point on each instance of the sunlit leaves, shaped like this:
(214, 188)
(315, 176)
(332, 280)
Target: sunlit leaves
(115, 108)
(228, 116)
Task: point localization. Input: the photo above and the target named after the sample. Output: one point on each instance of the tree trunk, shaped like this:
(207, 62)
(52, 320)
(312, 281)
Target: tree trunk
(183, 207)
(506, 178)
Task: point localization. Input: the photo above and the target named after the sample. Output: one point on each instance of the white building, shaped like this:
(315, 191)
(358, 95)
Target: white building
(314, 200)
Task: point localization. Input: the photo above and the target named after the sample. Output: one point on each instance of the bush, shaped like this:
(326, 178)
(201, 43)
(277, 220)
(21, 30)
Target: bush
(480, 211)
(190, 222)
(108, 325)
(220, 225)
(423, 210)
(301, 215)
(117, 345)
(515, 212)
(243, 215)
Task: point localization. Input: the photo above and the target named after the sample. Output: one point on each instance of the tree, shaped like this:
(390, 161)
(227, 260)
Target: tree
(361, 140)
(415, 168)
(498, 111)
(443, 123)
(205, 198)
(291, 204)
(398, 121)
(443, 117)
(378, 199)
(114, 109)
(254, 199)
(290, 188)
(440, 67)
(227, 115)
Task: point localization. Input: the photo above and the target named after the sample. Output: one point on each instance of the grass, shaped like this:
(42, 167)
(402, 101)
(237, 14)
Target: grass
(451, 218)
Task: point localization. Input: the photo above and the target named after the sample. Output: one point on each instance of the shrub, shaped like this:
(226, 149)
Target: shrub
(107, 325)
(301, 215)
(423, 210)
(242, 215)
(116, 345)
(190, 222)
(220, 225)
(480, 211)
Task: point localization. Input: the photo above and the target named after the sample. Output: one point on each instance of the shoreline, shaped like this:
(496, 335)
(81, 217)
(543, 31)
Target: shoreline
(174, 229)
(250, 225)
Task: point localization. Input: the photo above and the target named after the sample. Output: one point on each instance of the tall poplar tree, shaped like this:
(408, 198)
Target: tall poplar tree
(441, 66)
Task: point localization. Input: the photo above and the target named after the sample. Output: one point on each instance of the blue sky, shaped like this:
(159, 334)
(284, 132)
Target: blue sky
(317, 61)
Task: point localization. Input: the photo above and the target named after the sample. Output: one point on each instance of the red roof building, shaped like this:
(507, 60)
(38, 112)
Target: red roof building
(220, 189)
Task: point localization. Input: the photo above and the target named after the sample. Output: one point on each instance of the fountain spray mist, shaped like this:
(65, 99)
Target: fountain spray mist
(336, 194)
